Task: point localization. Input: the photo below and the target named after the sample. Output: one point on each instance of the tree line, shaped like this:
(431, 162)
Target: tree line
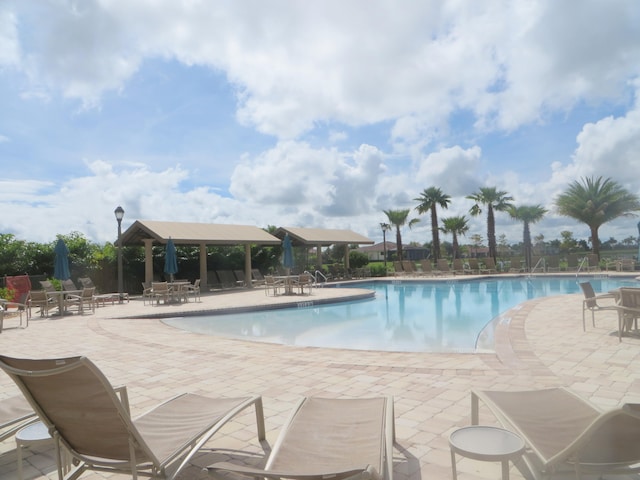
(590, 200)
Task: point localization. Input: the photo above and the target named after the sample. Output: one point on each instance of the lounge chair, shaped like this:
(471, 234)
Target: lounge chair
(15, 413)
(424, 268)
(69, 286)
(563, 431)
(330, 438)
(593, 262)
(398, 268)
(489, 266)
(590, 302)
(457, 266)
(91, 419)
(409, 267)
(552, 263)
(516, 265)
(256, 277)
(442, 265)
(474, 267)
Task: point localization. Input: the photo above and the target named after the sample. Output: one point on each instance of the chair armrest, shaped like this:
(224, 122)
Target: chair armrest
(124, 397)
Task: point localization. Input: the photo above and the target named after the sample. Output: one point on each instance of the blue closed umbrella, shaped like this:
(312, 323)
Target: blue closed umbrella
(287, 253)
(61, 264)
(170, 260)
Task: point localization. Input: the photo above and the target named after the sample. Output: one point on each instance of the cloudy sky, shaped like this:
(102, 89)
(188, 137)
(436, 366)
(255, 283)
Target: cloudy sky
(310, 114)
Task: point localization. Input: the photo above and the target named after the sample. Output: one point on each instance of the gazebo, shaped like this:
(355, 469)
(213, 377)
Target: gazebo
(148, 232)
(322, 237)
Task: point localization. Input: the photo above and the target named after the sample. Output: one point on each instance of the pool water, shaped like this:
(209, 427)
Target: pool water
(406, 316)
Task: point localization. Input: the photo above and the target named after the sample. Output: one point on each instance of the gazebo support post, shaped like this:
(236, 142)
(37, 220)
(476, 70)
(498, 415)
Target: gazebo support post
(203, 265)
(247, 265)
(148, 260)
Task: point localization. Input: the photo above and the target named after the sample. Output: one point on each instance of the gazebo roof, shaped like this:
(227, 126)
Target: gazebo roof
(185, 233)
(322, 236)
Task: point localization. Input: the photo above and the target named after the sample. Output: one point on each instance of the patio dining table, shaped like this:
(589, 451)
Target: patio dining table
(288, 281)
(60, 295)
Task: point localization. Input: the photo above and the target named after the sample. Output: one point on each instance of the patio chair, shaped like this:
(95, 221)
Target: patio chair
(628, 307)
(160, 290)
(14, 309)
(86, 299)
(15, 413)
(40, 299)
(272, 284)
(91, 419)
(590, 302)
(330, 438)
(398, 268)
(563, 431)
(192, 290)
(305, 280)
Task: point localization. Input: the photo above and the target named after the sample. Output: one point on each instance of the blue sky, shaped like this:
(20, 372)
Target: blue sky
(318, 114)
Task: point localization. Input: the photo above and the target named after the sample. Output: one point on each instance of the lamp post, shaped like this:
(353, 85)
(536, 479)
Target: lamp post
(119, 212)
(385, 228)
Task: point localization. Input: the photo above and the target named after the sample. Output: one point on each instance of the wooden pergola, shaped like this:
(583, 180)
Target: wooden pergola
(148, 232)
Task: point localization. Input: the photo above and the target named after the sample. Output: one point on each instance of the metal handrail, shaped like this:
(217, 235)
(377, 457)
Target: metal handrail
(584, 259)
(533, 270)
(315, 277)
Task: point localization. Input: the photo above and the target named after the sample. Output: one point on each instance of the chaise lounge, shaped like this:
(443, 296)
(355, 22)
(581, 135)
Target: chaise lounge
(91, 419)
(563, 431)
(330, 439)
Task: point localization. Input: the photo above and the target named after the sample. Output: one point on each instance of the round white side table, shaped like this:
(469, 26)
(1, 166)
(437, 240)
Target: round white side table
(487, 444)
(32, 435)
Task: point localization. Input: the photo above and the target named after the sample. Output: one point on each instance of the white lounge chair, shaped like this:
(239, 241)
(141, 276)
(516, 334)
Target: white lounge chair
(91, 419)
(563, 432)
(330, 439)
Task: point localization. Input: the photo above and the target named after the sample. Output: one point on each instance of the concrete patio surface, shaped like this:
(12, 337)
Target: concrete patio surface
(538, 344)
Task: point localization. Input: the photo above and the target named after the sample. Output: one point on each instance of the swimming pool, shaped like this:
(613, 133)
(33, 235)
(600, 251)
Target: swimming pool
(407, 316)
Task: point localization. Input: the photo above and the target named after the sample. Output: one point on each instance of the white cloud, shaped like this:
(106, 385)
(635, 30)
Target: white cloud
(9, 44)
(294, 65)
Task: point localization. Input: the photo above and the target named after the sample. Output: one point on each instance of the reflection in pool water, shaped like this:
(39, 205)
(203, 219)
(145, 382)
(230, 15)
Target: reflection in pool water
(408, 316)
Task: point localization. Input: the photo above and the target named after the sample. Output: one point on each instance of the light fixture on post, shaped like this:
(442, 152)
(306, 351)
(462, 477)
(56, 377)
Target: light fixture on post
(385, 228)
(119, 212)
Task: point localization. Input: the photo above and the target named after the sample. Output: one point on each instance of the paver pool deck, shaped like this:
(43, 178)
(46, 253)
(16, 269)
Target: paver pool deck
(538, 344)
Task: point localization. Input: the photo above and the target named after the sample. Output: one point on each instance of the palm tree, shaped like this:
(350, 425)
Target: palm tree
(398, 218)
(429, 199)
(455, 226)
(596, 201)
(527, 214)
(495, 200)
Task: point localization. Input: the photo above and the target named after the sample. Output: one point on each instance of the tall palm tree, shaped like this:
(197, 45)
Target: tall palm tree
(455, 226)
(527, 214)
(429, 199)
(398, 218)
(496, 201)
(596, 201)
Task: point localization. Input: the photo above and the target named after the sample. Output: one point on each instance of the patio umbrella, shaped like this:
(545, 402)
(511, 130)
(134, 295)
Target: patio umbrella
(61, 264)
(170, 260)
(287, 253)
